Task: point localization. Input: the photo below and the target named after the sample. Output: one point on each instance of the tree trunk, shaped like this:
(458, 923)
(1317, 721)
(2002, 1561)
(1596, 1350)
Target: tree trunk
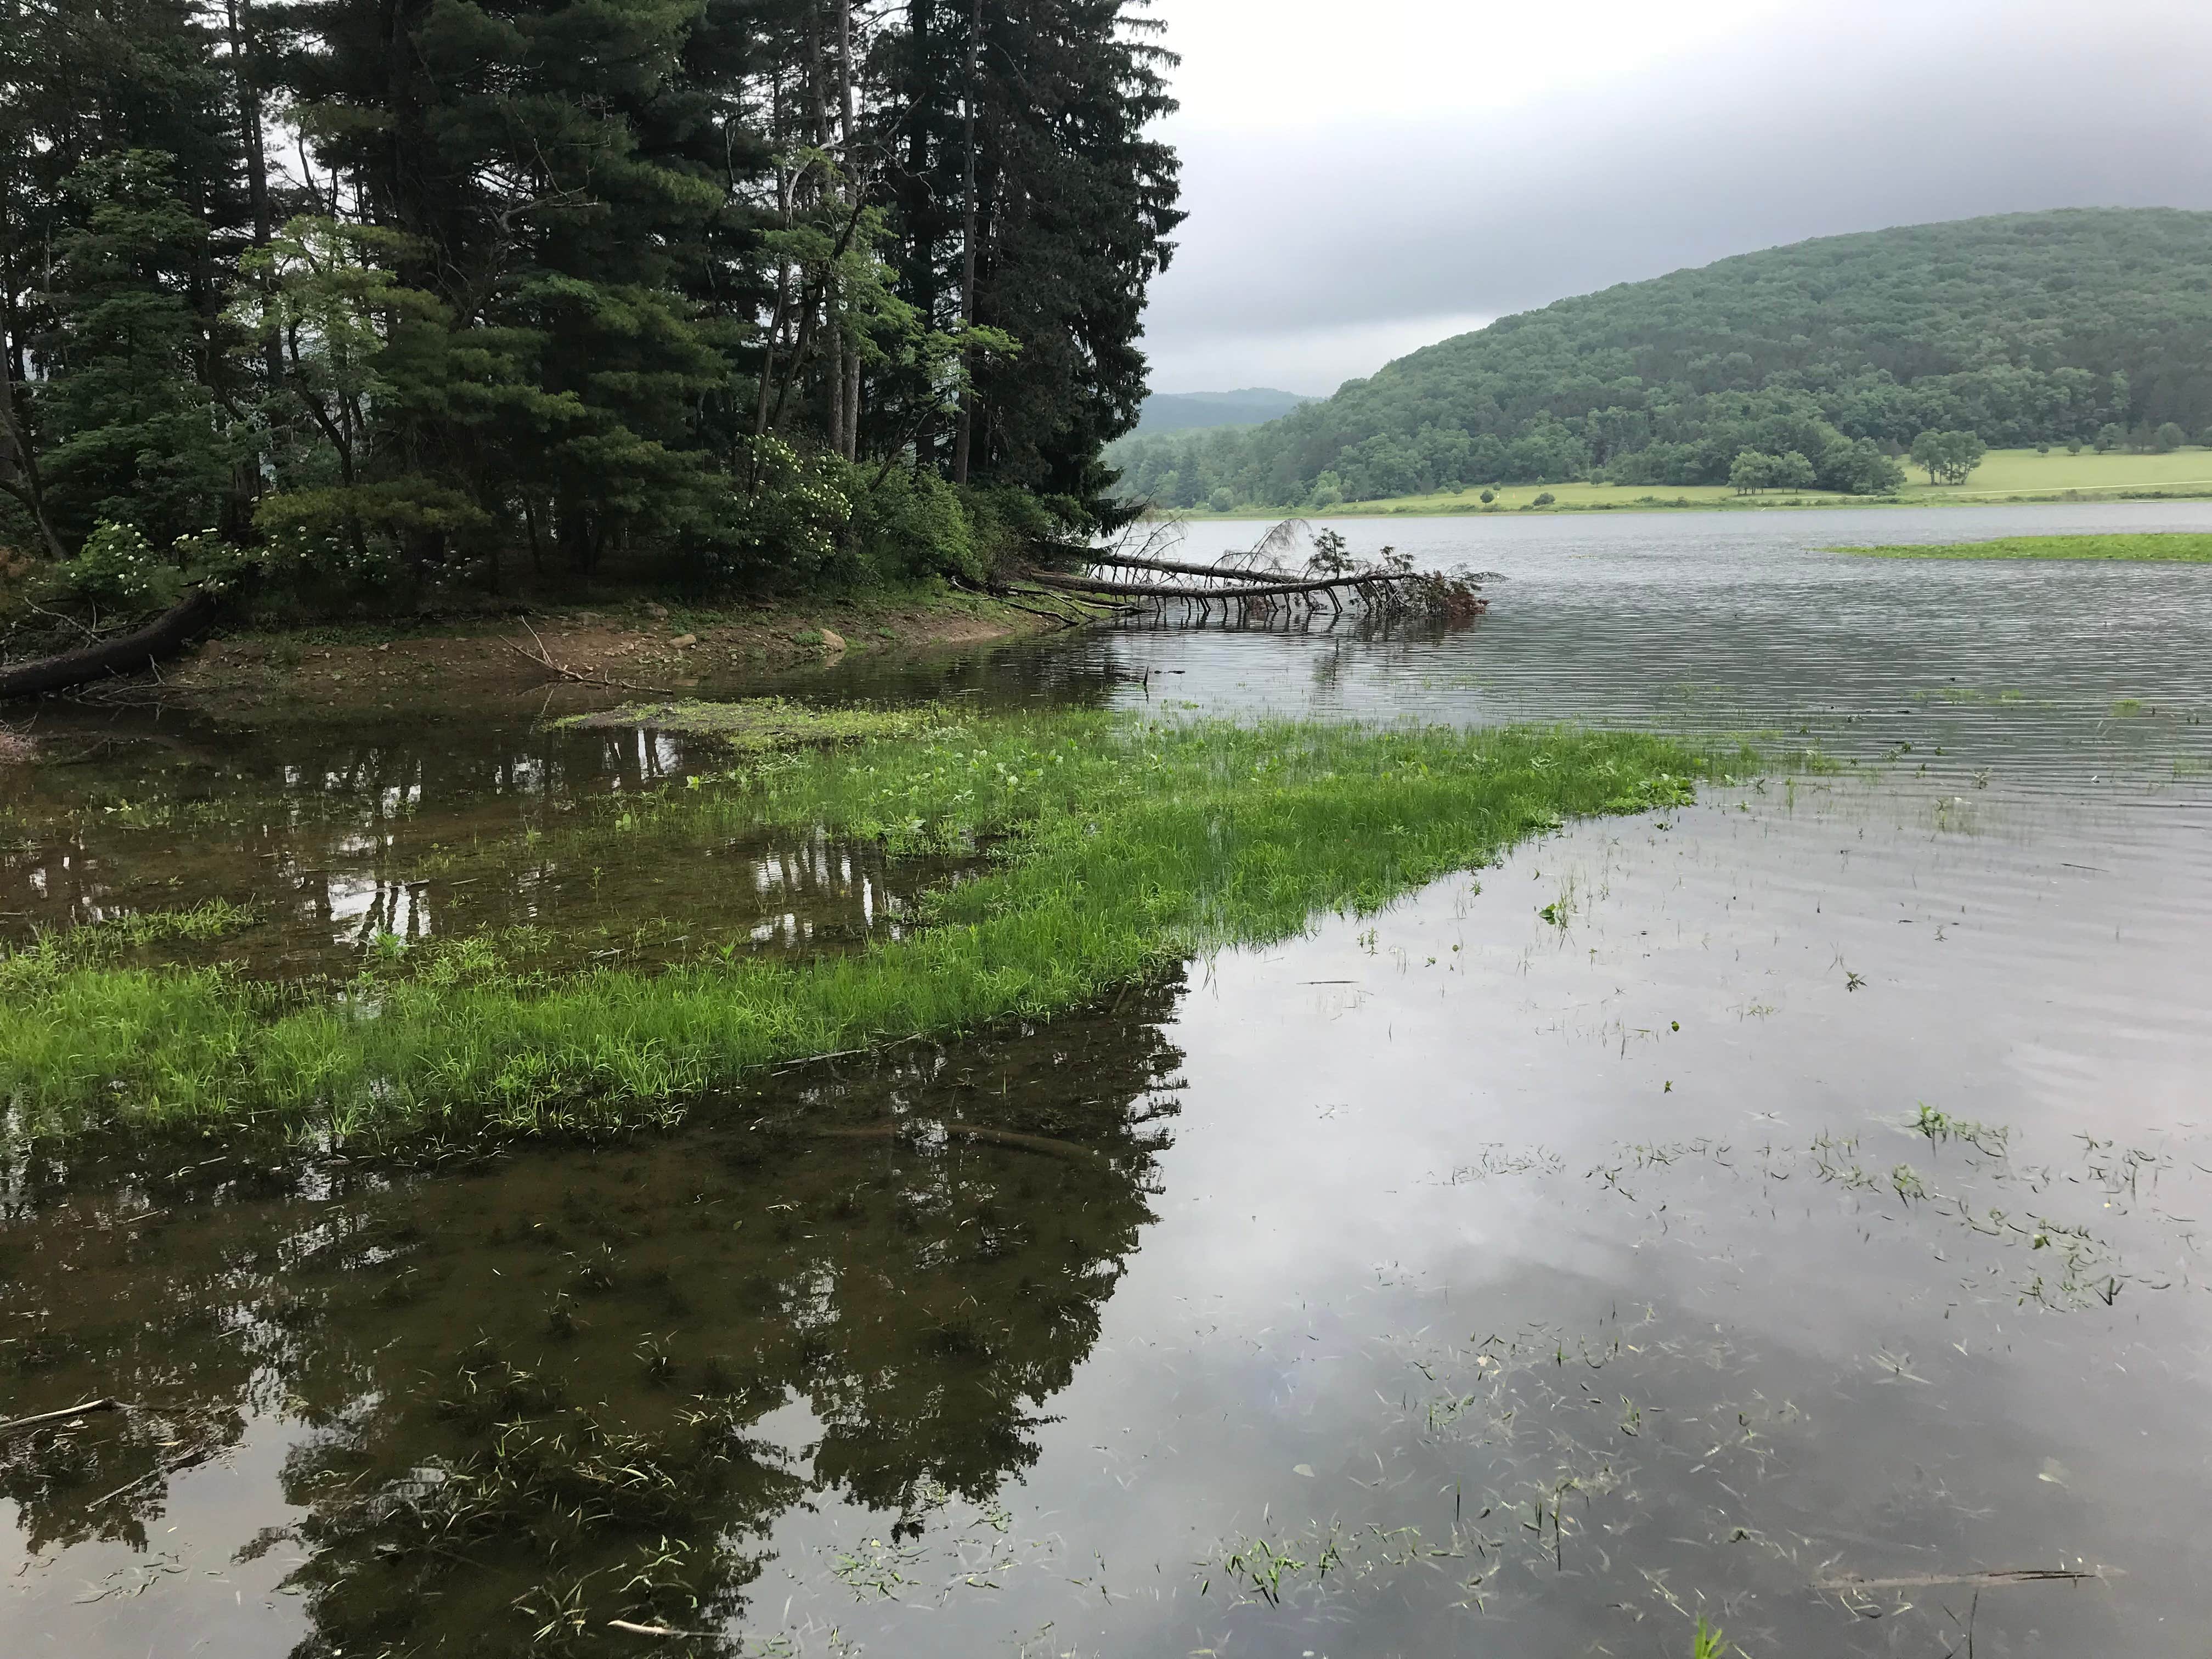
(963, 434)
(160, 640)
(19, 468)
(240, 14)
(845, 357)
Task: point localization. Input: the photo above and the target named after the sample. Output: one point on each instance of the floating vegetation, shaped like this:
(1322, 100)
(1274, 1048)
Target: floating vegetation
(1940, 1126)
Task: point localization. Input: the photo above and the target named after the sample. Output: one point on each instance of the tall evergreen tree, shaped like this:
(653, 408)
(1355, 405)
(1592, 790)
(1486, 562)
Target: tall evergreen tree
(121, 213)
(725, 284)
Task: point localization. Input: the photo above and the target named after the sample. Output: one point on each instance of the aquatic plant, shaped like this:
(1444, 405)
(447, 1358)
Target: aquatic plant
(762, 724)
(1118, 849)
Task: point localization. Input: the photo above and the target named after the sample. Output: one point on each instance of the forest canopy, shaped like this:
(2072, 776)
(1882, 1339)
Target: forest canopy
(379, 294)
(2088, 326)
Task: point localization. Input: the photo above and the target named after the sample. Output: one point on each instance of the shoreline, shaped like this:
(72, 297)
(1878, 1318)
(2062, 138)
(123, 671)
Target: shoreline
(624, 647)
(1402, 507)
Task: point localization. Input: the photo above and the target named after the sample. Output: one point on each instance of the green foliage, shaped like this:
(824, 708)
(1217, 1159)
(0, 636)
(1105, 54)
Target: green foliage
(682, 288)
(913, 523)
(137, 435)
(1752, 471)
(1117, 850)
(2027, 328)
(1947, 457)
(2171, 547)
(118, 570)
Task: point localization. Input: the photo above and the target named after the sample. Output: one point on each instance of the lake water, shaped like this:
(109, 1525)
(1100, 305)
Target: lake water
(1789, 1211)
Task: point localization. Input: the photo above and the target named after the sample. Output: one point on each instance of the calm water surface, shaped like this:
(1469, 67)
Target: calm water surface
(1533, 1268)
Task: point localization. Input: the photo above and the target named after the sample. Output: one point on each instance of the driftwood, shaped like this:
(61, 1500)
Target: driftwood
(1261, 582)
(160, 640)
(1224, 572)
(23, 1424)
(541, 658)
(1247, 587)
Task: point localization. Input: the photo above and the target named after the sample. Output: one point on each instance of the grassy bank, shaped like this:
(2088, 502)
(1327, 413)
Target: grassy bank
(2161, 548)
(2005, 475)
(1117, 848)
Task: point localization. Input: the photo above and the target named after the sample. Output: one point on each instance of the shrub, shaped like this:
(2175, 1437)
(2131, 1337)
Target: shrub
(912, 524)
(118, 569)
(1544, 498)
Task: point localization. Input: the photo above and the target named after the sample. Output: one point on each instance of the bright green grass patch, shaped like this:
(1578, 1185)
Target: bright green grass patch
(760, 725)
(1119, 849)
(2168, 547)
(213, 918)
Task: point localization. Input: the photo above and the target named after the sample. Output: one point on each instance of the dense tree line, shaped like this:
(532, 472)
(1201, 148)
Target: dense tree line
(2074, 327)
(388, 293)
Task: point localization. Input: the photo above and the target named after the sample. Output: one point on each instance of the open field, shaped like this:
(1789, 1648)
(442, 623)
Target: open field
(2168, 547)
(2005, 475)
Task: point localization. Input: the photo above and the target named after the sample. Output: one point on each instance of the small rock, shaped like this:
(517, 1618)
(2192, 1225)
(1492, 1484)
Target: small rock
(683, 640)
(831, 641)
(658, 612)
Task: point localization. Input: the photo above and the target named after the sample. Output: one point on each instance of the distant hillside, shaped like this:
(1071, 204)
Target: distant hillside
(2080, 327)
(1182, 411)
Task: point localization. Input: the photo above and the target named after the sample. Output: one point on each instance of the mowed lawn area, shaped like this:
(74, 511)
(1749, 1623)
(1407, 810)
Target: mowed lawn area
(2003, 475)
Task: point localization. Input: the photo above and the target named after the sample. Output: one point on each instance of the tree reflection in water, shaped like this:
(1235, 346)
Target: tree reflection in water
(560, 1387)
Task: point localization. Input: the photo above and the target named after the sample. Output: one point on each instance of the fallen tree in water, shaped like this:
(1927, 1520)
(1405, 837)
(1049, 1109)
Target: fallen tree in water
(164, 637)
(1264, 582)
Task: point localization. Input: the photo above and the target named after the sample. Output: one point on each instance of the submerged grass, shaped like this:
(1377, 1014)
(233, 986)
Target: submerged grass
(759, 725)
(2155, 547)
(1118, 849)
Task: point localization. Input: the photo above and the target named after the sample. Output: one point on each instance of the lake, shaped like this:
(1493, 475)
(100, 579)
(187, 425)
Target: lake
(1789, 1211)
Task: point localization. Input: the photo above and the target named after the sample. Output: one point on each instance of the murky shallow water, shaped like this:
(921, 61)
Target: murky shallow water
(1458, 1277)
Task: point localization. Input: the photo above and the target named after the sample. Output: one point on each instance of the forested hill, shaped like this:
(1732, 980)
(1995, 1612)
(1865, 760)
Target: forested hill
(2026, 328)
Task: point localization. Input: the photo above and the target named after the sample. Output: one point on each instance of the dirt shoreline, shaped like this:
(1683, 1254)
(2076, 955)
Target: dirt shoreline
(633, 646)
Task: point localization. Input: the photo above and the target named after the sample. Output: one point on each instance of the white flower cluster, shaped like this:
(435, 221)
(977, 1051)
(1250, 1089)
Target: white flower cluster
(117, 566)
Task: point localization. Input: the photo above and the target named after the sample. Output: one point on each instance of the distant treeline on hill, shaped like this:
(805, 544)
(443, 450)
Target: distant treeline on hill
(2088, 325)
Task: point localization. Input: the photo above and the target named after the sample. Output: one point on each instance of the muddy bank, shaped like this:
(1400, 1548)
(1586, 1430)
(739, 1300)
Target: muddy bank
(633, 647)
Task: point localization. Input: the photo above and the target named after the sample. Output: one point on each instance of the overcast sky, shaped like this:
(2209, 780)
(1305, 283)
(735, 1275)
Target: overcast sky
(1364, 178)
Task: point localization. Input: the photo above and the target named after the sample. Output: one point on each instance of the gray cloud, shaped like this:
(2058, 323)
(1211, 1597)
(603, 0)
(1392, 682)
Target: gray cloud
(1307, 253)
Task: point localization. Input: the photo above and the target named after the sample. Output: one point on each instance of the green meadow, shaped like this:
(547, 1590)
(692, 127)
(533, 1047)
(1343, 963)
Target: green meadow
(2165, 547)
(2004, 475)
(1112, 851)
